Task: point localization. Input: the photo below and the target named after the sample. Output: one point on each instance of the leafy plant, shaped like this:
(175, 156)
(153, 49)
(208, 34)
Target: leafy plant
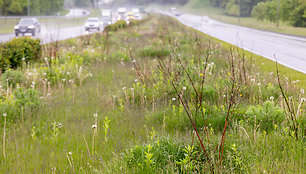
(266, 115)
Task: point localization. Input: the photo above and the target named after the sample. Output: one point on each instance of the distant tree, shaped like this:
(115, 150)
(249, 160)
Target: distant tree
(232, 8)
(15, 7)
(291, 11)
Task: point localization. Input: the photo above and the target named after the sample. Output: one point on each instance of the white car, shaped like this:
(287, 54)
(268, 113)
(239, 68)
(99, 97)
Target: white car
(121, 14)
(107, 17)
(174, 11)
(93, 24)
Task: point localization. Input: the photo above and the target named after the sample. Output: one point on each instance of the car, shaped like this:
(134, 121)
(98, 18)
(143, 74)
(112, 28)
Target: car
(130, 16)
(107, 17)
(121, 13)
(136, 10)
(27, 25)
(174, 11)
(92, 24)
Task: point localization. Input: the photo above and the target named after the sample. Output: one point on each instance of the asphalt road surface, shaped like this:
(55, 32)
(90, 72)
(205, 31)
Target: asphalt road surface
(288, 50)
(50, 35)
(54, 33)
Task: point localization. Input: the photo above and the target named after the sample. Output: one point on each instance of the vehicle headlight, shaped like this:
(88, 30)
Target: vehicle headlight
(31, 27)
(16, 27)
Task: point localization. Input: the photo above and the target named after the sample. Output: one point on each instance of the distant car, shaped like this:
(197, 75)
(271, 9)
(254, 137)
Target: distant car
(130, 16)
(174, 11)
(121, 14)
(92, 24)
(137, 17)
(107, 17)
(136, 10)
(27, 25)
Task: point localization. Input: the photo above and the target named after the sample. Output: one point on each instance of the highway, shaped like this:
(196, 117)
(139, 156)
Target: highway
(288, 50)
(55, 33)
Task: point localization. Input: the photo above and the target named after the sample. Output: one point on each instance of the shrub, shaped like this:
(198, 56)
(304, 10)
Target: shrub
(116, 26)
(12, 78)
(134, 22)
(13, 52)
(27, 98)
(266, 115)
(163, 153)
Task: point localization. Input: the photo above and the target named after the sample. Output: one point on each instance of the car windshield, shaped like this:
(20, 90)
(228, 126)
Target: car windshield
(92, 20)
(26, 22)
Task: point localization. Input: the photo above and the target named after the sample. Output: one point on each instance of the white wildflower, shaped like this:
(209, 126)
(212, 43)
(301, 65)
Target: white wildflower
(271, 98)
(173, 99)
(4, 114)
(302, 91)
(95, 114)
(184, 88)
(94, 126)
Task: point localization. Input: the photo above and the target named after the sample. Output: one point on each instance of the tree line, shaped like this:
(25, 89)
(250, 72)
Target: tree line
(37, 7)
(290, 11)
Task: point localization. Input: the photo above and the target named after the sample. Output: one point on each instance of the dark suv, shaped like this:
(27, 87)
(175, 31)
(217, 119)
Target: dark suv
(27, 25)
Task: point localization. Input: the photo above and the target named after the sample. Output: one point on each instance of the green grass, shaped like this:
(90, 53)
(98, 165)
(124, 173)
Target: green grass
(149, 131)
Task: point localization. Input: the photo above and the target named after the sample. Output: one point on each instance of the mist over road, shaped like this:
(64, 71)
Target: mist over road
(288, 50)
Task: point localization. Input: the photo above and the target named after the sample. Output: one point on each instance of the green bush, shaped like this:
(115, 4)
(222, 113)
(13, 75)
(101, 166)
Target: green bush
(116, 26)
(134, 22)
(164, 152)
(13, 52)
(266, 115)
(12, 77)
(27, 98)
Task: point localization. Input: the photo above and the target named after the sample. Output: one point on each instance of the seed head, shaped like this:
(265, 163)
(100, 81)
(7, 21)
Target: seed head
(4, 114)
(184, 88)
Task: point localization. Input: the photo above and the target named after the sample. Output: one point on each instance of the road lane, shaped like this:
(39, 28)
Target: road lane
(48, 34)
(289, 50)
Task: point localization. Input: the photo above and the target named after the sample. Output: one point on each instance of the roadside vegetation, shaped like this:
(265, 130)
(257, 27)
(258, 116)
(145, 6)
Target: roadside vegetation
(151, 97)
(261, 16)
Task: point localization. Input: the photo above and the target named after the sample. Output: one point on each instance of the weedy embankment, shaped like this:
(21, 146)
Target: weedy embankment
(152, 97)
